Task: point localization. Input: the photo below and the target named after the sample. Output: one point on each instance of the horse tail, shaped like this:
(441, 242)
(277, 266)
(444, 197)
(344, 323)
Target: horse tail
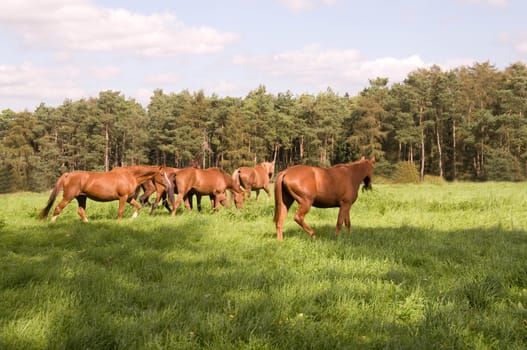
(236, 177)
(170, 185)
(53, 196)
(278, 197)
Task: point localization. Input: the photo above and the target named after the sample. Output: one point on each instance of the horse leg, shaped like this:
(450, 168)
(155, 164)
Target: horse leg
(189, 199)
(257, 195)
(82, 208)
(283, 208)
(215, 201)
(144, 199)
(303, 209)
(59, 208)
(266, 189)
(248, 190)
(133, 202)
(177, 202)
(347, 221)
(156, 202)
(343, 217)
(120, 211)
(165, 202)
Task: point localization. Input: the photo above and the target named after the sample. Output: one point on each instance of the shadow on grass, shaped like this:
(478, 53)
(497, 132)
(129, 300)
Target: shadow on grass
(104, 285)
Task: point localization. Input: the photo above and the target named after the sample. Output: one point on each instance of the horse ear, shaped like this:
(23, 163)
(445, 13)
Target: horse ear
(372, 160)
(363, 158)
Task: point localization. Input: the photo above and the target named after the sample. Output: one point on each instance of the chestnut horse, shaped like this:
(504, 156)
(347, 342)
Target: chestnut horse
(117, 184)
(155, 185)
(255, 178)
(212, 181)
(152, 186)
(320, 187)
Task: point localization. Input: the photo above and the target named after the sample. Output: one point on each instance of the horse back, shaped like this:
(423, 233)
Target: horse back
(255, 177)
(323, 187)
(204, 181)
(100, 186)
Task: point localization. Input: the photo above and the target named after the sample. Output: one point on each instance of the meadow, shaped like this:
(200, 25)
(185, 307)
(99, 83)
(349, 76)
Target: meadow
(428, 266)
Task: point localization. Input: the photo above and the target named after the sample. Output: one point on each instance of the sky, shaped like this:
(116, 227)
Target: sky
(53, 50)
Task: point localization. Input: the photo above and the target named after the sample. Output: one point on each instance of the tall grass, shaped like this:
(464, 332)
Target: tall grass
(426, 266)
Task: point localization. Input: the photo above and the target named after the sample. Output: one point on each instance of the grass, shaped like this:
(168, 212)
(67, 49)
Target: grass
(426, 266)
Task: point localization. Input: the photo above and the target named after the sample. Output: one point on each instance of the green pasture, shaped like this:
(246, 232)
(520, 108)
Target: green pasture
(430, 266)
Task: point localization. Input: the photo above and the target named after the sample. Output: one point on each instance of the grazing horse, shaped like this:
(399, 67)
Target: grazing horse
(117, 184)
(255, 178)
(320, 187)
(212, 181)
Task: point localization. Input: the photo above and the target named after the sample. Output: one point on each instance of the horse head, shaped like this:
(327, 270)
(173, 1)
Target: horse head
(238, 196)
(369, 165)
(269, 168)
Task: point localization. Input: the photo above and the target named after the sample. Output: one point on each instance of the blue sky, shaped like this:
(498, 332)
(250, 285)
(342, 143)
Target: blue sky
(54, 50)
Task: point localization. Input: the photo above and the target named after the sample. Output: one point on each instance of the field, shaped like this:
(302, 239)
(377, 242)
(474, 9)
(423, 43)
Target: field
(428, 266)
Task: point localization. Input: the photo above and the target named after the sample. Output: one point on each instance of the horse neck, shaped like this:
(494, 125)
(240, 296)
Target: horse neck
(232, 184)
(359, 170)
(268, 166)
(264, 169)
(144, 173)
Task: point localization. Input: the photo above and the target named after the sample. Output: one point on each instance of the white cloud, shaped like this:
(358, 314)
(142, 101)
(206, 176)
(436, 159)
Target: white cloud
(222, 88)
(521, 46)
(310, 62)
(498, 3)
(143, 96)
(80, 25)
(22, 83)
(305, 5)
(517, 40)
(315, 68)
(106, 72)
(162, 79)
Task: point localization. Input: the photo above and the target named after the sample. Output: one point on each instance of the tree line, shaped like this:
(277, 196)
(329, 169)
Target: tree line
(467, 123)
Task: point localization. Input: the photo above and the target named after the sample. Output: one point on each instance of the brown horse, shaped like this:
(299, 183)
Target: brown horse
(151, 186)
(212, 181)
(162, 191)
(118, 184)
(255, 178)
(320, 187)
(155, 185)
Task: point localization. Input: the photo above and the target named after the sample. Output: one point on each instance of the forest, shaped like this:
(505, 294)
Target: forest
(465, 124)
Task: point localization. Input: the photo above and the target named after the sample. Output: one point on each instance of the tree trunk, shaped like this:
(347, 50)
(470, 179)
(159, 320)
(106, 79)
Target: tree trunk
(123, 150)
(106, 149)
(301, 147)
(454, 174)
(276, 147)
(439, 151)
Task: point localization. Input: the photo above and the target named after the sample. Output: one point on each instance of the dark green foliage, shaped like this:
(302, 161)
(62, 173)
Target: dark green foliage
(464, 124)
(406, 172)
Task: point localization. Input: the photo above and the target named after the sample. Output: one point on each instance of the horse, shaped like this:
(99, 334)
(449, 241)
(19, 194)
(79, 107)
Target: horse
(211, 181)
(161, 190)
(149, 187)
(255, 178)
(320, 187)
(118, 184)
